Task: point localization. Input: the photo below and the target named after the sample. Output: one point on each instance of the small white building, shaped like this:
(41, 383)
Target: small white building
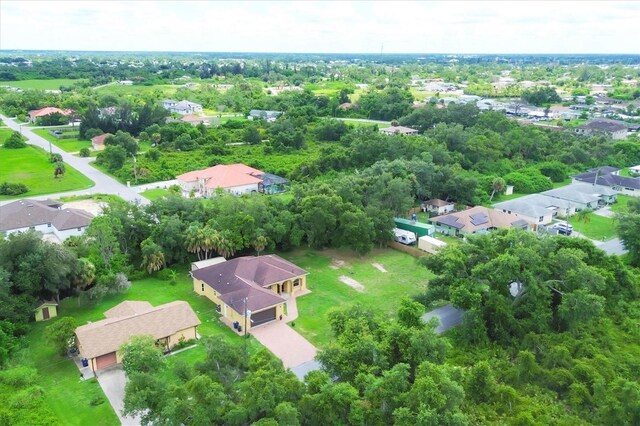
(181, 107)
(47, 217)
(430, 244)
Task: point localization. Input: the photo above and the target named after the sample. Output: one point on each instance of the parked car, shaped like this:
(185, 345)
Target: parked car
(563, 228)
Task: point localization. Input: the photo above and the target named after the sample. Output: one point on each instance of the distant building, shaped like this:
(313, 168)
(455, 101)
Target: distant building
(259, 114)
(610, 177)
(37, 113)
(181, 107)
(46, 217)
(399, 130)
(125, 83)
(477, 219)
(615, 129)
(98, 141)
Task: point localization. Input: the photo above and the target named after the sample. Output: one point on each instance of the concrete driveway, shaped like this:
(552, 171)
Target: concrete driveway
(112, 381)
(285, 343)
(448, 316)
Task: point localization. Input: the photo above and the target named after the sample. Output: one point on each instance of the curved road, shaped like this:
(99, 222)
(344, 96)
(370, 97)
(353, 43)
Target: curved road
(104, 184)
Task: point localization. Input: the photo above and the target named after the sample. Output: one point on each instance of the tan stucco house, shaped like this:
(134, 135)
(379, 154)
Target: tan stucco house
(170, 323)
(250, 291)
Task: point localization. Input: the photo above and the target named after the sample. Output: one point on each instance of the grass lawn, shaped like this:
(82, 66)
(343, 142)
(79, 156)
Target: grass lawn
(165, 90)
(41, 84)
(67, 145)
(31, 166)
(4, 135)
(382, 290)
(598, 228)
(155, 194)
(70, 398)
(107, 198)
(364, 123)
(621, 205)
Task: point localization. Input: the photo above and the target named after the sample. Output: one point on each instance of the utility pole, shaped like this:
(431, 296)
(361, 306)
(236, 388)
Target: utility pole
(135, 174)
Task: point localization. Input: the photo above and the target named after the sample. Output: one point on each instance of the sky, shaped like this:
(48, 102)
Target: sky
(323, 27)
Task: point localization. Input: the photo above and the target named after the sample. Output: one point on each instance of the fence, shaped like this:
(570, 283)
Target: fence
(407, 249)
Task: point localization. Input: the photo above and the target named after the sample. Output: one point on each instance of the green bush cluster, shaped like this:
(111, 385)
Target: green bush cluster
(13, 188)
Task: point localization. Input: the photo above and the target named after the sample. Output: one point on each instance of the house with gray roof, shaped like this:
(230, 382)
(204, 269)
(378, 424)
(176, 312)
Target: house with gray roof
(536, 208)
(259, 114)
(609, 177)
(47, 217)
(584, 195)
(615, 129)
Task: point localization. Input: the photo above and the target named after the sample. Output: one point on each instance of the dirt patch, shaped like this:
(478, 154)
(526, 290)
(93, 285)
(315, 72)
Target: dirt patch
(379, 267)
(90, 206)
(336, 264)
(352, 283)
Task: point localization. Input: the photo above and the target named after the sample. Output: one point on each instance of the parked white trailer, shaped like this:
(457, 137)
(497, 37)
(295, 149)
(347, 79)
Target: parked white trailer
(404, 237)
(430, 244)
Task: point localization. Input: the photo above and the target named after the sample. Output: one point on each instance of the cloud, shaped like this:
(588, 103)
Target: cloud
(308, 26)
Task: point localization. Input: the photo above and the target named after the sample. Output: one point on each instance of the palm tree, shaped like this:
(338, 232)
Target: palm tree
(195, 240)
(497, 185)
(260, 243)
(59, 170)
(584, 216)
(152, 256)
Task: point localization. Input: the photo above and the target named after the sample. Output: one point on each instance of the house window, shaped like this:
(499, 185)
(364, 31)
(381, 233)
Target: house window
(202, 287)
(509, 211)
(48, 225)
(79, 229)
(32, 227)
(218, 308)
(296, 282)
(541, 219)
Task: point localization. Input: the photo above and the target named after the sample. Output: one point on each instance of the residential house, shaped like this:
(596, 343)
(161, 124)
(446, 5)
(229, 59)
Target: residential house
(47, 217)
(438, 207)
(37, 113)
(399, 130)
(125, 83)
(45, 310)
(237, 179)
(194, 120)
(169, 324)
(97, 142)
(477, 219)
(250, 291)
(614, 129)
(635, 169)
(610, 177)
(259, 114)
(537, 209)
(584, 195)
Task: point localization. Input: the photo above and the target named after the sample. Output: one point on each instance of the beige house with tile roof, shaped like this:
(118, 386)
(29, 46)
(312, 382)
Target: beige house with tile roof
(99, 342)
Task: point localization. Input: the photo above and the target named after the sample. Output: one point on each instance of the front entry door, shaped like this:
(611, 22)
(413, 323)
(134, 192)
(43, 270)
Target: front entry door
(45, 313)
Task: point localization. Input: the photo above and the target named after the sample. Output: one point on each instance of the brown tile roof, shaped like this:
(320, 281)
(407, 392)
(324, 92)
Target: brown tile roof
(106, 336)
(224, 176)
(476, 219)
(48, 110)
(26, 213)
(247, 277)
(99, 140)
(436, 202)
(128, 308)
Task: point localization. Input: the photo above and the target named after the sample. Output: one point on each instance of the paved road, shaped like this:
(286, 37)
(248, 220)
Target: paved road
(613, 246)
(104, 184)
(448, 316)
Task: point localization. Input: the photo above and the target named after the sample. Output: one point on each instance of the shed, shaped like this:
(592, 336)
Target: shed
(419, 228)
(430, 244)
(46, 310)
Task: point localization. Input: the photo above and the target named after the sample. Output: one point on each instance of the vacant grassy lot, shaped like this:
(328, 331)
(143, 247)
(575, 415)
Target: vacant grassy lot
(356, 122)
(154, 194)
(621, 205)
(66, 394)
(4, 135)
(31, 166)
(382, 290)
(40, 84)
(67, 145)
(161, 89)
(596, 228)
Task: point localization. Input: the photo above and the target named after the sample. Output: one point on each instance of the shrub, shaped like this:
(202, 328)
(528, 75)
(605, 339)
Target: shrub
(85, 152)
(10, 188)
(55, 158)
(528, 181)
(15, 141)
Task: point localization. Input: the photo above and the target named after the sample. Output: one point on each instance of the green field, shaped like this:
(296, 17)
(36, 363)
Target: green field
(364, 123)
(4, 135)
(41, 84)
(67, 145)
(154, 194)
(621, 203)
(382, 290)
(163, 90)
(31, 166)
(68, 396)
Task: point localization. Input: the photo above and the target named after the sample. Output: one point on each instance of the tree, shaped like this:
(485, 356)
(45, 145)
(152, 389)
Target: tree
(85, 152)
(113, 157)
(410, 313)
(251, 135)
(260, 243)
(152, 256)
(584, 216)
(580, 307)
(61, 334)
(142, 355)
(629, 229)
(15, 141)
(59, 169)
(498, 185)
(86, 274)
